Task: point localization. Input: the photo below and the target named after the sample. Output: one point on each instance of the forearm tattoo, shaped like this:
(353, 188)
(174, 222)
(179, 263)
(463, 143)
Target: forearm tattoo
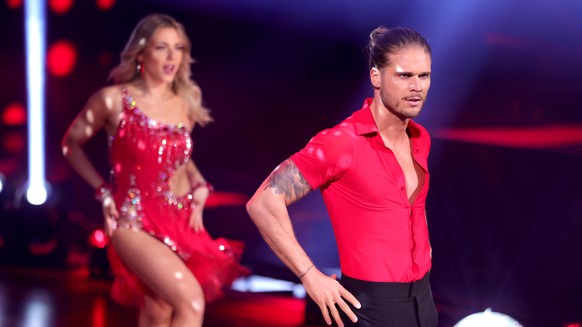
(286, 179)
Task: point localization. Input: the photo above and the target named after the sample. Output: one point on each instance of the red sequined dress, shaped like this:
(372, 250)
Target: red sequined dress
(144, 154)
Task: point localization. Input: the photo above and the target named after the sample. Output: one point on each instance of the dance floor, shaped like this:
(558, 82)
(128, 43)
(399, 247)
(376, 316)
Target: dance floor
(46, 297)
(54, 297)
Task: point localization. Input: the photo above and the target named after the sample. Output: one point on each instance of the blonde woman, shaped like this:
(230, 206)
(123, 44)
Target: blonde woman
(163, 259)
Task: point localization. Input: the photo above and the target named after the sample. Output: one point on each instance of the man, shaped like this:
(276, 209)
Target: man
(372, 172)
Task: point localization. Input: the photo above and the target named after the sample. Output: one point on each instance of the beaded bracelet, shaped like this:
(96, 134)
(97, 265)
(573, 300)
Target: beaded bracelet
(209, 186)
(103, 191)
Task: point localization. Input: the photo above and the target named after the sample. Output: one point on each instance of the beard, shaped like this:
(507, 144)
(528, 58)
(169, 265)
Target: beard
(398, 107)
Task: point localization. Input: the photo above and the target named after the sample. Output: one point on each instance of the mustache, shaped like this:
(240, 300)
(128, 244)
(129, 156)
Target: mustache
(414, 97)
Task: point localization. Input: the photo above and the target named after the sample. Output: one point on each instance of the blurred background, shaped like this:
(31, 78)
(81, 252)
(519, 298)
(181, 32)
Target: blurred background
(504, 111)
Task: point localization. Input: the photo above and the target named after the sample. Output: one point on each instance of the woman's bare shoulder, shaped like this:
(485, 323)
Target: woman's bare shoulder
(107, 99)
(106, 105)
(110, 93)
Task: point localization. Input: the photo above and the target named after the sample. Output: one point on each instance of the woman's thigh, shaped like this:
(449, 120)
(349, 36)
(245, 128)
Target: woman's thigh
(158, 267)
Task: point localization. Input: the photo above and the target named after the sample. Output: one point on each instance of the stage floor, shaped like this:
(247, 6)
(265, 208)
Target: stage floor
(55, 297)
(69, 297)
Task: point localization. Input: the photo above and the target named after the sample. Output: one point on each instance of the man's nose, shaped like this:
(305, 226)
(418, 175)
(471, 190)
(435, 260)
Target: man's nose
(415, 84)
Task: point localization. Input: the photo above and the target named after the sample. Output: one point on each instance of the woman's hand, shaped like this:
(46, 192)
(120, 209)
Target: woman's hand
(110, 215)
(200, 195)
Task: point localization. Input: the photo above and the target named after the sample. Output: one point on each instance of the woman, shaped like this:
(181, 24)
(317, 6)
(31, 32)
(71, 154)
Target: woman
(163, 259)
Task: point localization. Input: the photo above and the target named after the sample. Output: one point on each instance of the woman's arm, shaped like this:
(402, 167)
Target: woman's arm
(201, 190)
(194, 176)
(99, 112)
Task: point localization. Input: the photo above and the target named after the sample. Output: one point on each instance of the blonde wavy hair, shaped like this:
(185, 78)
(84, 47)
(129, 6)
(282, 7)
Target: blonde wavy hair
(182, 85)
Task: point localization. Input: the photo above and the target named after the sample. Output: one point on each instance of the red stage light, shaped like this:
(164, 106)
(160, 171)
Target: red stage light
(574, 325)
(533, 137)
(61, 58)
(60, 7)
(220, 199)
(14, 4)
(99, 312)
(98, 239)
(105, 4)
(14, 114)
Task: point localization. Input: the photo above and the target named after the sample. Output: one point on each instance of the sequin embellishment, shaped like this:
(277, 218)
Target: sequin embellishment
(152, 153)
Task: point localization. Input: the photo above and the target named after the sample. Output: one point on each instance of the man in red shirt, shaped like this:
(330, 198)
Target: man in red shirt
(372, 172)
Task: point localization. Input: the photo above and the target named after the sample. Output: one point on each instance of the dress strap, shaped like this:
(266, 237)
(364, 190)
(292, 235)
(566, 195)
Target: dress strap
(127, 99)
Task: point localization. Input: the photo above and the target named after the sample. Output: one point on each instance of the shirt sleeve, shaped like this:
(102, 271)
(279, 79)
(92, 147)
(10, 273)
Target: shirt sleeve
(327, 157)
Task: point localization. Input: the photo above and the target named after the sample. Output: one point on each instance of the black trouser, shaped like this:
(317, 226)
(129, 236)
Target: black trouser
(392, 304)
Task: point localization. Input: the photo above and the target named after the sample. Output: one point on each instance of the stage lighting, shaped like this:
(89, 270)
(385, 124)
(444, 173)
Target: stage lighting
(14, 4)
(35, 55)
(14, 115)
(256, 283)
(37, 193)
(98, 239)
(61, 58)
(98, 263)
(2, 182)
(488, 318)
(60, 7)
(105, 4)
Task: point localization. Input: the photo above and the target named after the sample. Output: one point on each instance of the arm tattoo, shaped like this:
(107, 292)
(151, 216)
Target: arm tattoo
(286, 179)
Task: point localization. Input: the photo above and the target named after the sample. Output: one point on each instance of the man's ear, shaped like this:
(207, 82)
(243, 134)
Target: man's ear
(375, 77)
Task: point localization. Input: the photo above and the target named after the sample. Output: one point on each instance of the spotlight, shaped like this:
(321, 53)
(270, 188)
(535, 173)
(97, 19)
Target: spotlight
(488, 318)
(60, 7)
(98, 264)
(2, 182)
(14, 114)
(98, 239)
(37, 193)
(35, 28)
(105, 4)
(61, 58)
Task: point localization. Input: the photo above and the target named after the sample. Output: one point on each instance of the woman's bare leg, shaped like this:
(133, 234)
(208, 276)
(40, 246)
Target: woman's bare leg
(164, 273)
(155, 312)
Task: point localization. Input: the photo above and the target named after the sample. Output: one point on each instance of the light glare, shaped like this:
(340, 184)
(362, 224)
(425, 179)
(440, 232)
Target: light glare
(2, 181)
(488, 318)
(36, 194)
(35, 53)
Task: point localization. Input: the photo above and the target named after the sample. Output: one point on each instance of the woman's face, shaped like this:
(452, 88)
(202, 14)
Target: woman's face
(163, 54)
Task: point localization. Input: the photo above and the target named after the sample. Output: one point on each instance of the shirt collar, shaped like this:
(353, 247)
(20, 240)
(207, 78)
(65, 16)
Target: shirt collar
(364, 122)
(363, 119)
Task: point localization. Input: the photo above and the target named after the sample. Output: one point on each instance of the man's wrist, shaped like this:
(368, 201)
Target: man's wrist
(306, 271)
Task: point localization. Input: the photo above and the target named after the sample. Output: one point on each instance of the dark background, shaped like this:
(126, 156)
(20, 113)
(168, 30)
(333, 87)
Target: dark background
(505, 112)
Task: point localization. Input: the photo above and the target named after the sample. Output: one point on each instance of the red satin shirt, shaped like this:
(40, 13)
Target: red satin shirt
(381, 236)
